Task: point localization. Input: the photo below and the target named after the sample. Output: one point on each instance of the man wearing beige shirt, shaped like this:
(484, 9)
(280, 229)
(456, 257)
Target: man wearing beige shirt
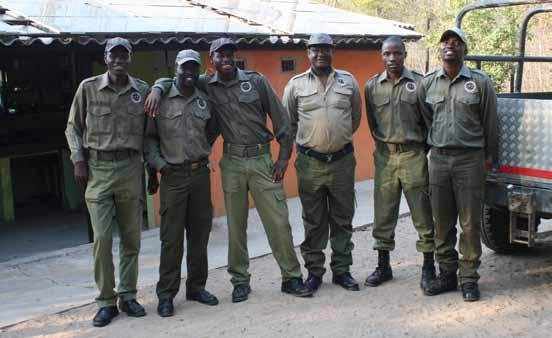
(325, 106)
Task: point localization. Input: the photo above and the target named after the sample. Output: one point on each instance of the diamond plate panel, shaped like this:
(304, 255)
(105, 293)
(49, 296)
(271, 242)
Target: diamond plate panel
(525, 133)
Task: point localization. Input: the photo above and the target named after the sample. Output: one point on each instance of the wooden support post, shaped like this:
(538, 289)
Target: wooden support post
(7, 208)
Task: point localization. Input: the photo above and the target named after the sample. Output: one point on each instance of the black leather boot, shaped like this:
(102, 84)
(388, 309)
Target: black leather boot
(383, 271)
(428, 271)
(447, 281)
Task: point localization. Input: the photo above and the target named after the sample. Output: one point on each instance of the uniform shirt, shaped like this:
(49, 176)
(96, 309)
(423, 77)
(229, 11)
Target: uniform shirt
(392, 108)
(459, 112)
(105, 118)
(241, 106)
(323, 119)
(179, 133)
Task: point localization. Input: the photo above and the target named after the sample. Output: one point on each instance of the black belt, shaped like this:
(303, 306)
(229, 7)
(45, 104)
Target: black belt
(246, 150)
(454, 151)
(114, 155)
(326, 157)
(398, 147)
(190, 166)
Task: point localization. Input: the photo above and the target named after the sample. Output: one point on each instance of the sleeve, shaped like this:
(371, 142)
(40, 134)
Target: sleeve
(152, 145)
(164, 84)
(490, 121)
(280, 119)
(212, 128)
(356, 106)
(290, 103)
(370, 108)
(76, 125)
(425, 109)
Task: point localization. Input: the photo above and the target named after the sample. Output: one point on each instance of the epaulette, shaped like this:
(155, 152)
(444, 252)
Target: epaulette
(430, 73)
(343, 72)
(249, 72)
(299, 75)
(479, 71)
(417, 73)
(140, 81)
(91, 79)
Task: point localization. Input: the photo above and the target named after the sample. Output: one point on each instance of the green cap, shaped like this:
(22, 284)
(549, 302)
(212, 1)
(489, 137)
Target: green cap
(219, 43)
(187, 55)
(320, 39)
(115, 42)
(455, 31)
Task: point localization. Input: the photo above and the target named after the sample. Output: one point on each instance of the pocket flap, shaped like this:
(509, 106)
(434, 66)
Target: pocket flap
(433, 99)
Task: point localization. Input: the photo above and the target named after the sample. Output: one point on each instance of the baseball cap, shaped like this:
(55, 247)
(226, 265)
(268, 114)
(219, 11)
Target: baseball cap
(455, 31)
(219, 43)
(187, 55)
(320, 39)
(114, 42)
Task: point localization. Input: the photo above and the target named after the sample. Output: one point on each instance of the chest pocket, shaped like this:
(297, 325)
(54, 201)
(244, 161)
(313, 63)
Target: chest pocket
(381, 100)
(343, 97)
(170, 120)
(434, 99)
(469, 99)
(250, 96)
(200, 114)
(408, 97)
(307, 100)
(99, 120)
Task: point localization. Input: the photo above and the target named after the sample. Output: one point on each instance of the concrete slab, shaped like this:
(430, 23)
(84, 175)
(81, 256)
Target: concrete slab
(59, 280)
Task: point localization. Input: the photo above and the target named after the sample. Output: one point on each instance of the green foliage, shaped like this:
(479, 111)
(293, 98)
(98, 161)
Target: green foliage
(490, 31)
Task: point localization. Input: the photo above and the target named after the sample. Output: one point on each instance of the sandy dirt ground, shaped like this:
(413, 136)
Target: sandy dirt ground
(516, 302)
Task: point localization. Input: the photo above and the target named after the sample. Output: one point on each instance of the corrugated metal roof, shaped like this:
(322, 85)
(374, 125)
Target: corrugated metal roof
(249, 21)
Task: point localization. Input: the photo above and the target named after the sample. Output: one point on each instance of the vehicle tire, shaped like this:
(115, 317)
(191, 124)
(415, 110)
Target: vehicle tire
(495, 230)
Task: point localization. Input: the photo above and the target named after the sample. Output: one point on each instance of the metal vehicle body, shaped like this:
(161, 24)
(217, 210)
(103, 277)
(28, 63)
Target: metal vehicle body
(518, 189)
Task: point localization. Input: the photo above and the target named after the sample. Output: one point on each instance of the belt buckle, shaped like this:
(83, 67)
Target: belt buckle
(329, 158)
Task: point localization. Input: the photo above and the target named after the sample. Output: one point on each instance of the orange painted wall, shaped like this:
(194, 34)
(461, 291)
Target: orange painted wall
(362, 64)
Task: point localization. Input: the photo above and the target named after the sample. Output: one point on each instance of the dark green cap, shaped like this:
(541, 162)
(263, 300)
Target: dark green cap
(455, 31)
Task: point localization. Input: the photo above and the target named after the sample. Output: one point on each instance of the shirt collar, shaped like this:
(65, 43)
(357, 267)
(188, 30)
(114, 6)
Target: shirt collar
(406, 73)
(174, 92)
(104, 82)
(464, 71)
(240, 76)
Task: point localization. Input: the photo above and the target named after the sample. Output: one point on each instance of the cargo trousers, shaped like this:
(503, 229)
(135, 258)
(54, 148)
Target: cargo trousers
(244, 174)
(457, 179)
(114, 192)
(403, 169)
(186, 210)
(327, 193)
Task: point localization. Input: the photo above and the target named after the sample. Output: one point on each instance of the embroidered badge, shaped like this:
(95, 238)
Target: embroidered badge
(341, 82)
(135, 97)
(246, 86)
(470, 86)
(201, 103)
(410, 87)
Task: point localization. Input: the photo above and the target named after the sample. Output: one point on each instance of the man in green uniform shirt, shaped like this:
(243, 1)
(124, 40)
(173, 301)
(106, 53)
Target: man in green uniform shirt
(177, 145)
(459, 107)
(324, 105)
(105, 135)
(399, 133)
(242, 101)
